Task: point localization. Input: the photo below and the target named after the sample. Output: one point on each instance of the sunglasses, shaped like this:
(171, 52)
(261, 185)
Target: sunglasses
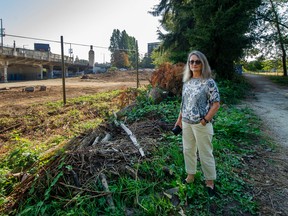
(197, 62)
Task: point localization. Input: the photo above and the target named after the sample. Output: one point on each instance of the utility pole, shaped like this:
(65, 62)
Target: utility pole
(137, 64)
(2, 35)
(63, 70)
(70, 51)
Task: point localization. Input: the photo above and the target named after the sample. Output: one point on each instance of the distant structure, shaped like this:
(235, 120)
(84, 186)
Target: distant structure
(42, 47)
(151, 47)
(91, 56)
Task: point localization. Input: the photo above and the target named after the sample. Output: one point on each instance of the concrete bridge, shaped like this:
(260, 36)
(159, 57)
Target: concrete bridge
(26, 64)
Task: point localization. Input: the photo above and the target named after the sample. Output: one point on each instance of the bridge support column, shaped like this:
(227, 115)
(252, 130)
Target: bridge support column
(41, 72)
(51, 71)
(5, 79)
(66, 72)
(4, 75)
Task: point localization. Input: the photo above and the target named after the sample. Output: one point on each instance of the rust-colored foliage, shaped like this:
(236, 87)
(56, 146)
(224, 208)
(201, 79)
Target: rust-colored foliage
(127, 97)
(169, 77)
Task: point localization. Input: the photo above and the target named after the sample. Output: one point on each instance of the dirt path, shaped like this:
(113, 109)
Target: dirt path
(271, 105)
(269, 167)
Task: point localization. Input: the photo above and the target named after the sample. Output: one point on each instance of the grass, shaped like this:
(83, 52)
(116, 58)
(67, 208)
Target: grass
(145, 195)
(280, 80)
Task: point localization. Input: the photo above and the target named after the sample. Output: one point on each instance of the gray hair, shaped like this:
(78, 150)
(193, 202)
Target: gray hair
(206, 70)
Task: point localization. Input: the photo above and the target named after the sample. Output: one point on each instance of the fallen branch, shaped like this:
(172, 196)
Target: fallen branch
(96, 141)
(10, 128)
(99, 193)
(130, 134)
(106, 188)
(88, 140)
(106, 138)
(75, 178)
(131, 172)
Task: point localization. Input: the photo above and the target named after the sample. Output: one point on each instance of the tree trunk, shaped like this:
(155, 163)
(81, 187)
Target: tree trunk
(280, 39)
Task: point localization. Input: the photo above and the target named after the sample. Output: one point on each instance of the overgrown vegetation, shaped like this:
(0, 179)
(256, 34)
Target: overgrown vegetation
(32, 136)
(50, 192)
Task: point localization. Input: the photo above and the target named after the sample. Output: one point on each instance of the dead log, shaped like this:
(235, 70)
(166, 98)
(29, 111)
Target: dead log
(106, 188)
(5, 88)
(43, 88)
(29, 89)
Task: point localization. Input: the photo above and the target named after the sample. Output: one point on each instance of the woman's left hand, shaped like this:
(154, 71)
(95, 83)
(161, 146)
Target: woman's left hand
(203, 122)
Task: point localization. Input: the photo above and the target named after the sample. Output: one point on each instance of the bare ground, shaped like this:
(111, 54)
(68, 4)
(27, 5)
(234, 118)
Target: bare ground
(11, 93)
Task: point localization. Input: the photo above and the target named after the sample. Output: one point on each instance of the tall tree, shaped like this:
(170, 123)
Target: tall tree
(123, 49)
(217, 28)
(272, 30)
(175, 19)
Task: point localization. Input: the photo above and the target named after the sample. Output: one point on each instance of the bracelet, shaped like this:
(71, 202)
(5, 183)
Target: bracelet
(206, 121)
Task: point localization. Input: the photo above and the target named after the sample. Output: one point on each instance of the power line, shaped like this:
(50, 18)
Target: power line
(54, 41)
(18, 36)
(70, 43)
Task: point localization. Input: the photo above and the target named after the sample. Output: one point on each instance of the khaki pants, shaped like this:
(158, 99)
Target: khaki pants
(198, 137)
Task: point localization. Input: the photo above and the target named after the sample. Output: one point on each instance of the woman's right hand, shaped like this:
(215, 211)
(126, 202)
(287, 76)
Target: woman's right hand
(179, 121)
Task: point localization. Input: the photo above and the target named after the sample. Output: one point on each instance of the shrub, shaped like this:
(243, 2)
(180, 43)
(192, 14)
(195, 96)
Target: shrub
(168, 77)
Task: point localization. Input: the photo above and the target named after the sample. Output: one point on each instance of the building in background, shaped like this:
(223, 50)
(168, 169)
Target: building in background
(151, 47)
(146, 62)
(42, 47)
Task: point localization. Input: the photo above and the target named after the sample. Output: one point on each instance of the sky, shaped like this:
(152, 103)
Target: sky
(87, 22)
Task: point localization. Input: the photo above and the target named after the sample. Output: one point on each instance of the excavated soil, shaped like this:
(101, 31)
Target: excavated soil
(12, 94)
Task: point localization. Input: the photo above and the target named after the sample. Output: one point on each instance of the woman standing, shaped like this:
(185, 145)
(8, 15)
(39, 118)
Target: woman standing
(200, 102)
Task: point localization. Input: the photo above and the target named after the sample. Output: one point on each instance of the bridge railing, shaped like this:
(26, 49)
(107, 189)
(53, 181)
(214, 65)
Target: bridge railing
(34, 54)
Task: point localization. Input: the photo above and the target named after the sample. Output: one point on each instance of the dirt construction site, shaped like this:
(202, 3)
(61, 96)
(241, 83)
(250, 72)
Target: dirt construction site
(14, 94)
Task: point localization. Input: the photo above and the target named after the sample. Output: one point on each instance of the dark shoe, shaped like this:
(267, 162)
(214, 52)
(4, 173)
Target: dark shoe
(212, 192)
(185, 181)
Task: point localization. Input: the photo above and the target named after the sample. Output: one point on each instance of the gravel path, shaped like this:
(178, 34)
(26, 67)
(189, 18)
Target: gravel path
(268, 168)
(271, 105)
